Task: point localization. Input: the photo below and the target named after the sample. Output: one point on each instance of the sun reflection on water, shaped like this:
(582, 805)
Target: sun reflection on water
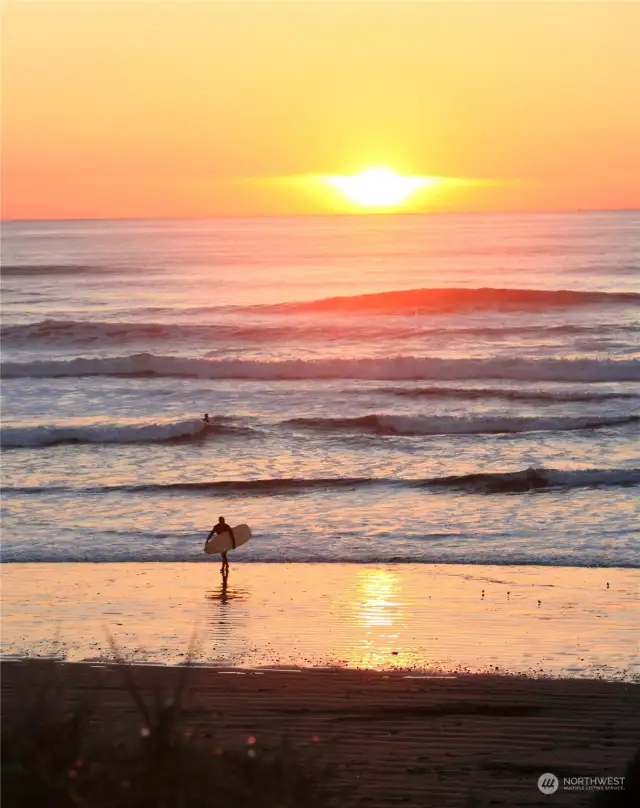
(377, 601)
(375, 613)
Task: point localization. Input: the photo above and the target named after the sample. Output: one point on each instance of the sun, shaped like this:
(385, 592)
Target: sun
(379, 187)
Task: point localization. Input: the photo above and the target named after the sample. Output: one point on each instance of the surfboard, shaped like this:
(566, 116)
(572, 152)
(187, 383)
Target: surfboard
(222, 543)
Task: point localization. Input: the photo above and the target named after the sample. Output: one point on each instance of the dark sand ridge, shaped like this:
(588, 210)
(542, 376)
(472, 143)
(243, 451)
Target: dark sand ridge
(397, 739)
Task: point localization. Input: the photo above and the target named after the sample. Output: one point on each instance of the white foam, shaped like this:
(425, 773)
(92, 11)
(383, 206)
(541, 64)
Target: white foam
(15, 437)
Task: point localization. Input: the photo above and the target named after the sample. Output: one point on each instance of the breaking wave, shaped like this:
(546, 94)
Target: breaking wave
(33, 437)
(417, 301)
(38, 436)
(531, 479)
(452, 425)
(399, 368)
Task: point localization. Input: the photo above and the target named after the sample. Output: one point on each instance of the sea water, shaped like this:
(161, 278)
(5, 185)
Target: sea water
(459, 389)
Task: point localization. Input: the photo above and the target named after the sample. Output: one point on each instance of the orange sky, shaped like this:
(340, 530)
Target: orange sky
(122, 109)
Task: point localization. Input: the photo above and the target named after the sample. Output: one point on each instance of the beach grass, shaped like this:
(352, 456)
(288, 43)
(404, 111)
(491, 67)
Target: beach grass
(62, 750)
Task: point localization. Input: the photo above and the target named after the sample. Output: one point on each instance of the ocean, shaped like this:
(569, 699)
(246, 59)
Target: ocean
(425, 389)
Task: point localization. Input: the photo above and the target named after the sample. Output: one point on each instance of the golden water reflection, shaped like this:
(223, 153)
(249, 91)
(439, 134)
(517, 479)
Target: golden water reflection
(377, 602)
(375, 612)
(447, 618)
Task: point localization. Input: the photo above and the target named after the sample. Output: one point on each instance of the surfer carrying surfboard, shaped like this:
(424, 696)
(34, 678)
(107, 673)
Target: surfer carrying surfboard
(222, 527)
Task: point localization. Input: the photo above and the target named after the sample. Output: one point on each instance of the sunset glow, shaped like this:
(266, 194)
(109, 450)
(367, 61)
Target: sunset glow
(119, 110)
(379, 187)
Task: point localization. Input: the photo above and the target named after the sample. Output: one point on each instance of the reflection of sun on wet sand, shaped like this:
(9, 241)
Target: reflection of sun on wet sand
(378, 606)
(372, 608)
(387, 734)
(562, 621)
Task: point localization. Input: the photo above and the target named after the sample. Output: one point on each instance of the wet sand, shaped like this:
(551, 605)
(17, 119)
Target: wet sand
(397, 739)
(386, 665)
(565, 622)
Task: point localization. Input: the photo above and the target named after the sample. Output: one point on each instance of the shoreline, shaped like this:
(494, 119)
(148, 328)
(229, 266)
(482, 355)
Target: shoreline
(111, 661)
(400, 562)
(384, 738)
(440, 619)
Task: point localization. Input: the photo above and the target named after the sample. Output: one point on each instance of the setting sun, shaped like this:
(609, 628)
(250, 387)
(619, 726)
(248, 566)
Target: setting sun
(379, 187)
(364, 277)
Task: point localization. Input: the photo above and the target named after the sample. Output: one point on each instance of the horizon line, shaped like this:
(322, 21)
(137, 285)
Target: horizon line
(333, 215)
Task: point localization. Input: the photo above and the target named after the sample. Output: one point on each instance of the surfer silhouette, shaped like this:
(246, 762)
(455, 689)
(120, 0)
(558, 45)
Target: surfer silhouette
(218, 529)
(205, 418)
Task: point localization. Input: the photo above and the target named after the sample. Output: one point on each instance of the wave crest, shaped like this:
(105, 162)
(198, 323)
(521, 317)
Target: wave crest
(399, 368)
(536, 479)
(530, 479)
(452, 425)
(418, 301)
(38, 436)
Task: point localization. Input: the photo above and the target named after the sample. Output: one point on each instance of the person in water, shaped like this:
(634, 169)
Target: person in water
(205, 418)
(218, 529)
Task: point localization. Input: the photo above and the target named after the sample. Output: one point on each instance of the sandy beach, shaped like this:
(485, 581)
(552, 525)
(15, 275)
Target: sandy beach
(360, 282)
(561, 622)
(419, 686)
(397, 739)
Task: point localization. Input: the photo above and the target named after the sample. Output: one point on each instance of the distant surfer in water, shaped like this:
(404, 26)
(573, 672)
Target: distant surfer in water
(218, 529)
(205, 418)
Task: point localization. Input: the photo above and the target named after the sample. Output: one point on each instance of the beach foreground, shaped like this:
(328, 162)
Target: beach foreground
(386, 672)
(390, 738)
